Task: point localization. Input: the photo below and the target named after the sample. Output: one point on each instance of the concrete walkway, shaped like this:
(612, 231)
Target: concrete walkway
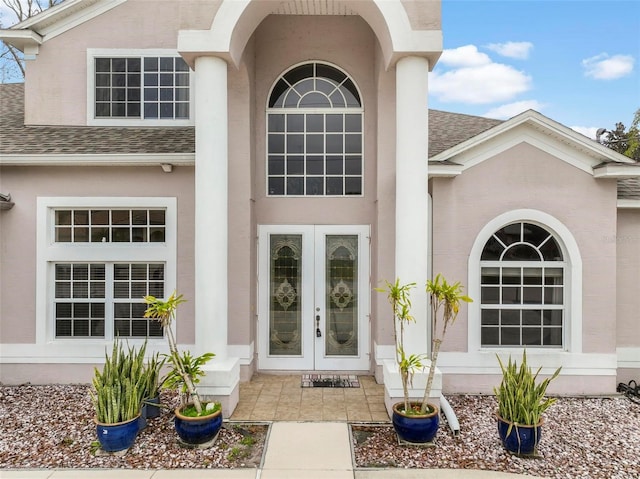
(295, 450)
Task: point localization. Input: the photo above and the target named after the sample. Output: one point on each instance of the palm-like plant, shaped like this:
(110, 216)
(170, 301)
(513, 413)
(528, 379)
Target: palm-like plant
(445, 304)
(165, 312)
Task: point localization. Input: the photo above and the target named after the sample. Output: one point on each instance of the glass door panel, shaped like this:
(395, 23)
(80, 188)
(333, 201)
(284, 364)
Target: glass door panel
(285, 313)
(341, 291)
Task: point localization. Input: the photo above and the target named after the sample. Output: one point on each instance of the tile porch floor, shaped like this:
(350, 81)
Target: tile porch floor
(270, 397)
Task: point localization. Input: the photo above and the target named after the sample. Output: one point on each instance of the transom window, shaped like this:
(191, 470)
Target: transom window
(141, 87)
(104, 225)
(522, 288)
(314, 134)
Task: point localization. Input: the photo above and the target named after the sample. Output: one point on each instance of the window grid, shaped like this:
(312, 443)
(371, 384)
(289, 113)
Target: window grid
(79, 300)
(314, 134)
(131, 283)
(146, 87)
(83, 290)
(522, 289)
(110, 225)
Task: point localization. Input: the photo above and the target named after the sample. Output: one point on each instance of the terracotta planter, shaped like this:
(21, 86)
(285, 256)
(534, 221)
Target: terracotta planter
(118, 436)
(520, 440)
(197, 430)
(417, 429)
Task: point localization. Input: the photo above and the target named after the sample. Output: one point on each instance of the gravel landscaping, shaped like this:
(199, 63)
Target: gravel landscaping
(581, 439)
(52, 427)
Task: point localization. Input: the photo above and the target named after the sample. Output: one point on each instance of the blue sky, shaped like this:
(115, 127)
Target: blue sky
(575, 61)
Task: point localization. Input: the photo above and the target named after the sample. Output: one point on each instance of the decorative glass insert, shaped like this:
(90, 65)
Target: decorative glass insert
(79, 300)
(522, 288)
(314, 134)
(141, 87)
(341, 275)
(285, 313)
(110, 225)
(131, 282)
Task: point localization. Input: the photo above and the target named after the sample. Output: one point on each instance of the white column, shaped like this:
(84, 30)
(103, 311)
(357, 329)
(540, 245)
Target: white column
(411, 191)
(211, 232)
(211, 195)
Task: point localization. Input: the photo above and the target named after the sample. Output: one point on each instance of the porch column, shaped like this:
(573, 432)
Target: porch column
(211, 230)
(412, 233)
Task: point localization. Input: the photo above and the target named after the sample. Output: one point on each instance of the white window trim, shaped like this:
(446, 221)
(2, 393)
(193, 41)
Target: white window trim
(48, 252)
(92, 53)
(573, 280)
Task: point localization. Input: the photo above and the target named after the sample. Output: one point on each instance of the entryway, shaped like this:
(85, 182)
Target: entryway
(313, 287)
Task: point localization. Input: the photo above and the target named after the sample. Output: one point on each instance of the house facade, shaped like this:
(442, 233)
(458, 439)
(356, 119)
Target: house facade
(274, 162)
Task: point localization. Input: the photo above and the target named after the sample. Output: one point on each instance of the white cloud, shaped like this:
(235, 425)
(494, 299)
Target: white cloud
(510, 110)
(466, 56)
(604, 67)
(519, 50)
(588, 131)
(490, 83)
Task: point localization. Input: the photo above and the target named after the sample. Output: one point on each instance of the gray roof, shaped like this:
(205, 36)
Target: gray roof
(16, 138)
(445, 131)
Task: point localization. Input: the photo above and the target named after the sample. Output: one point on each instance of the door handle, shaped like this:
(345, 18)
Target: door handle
(318, 332)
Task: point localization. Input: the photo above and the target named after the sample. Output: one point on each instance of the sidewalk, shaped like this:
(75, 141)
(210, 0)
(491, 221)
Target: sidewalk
(295, 450)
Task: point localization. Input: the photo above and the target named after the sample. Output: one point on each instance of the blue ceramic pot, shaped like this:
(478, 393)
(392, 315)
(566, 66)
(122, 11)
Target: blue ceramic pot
(152, 407)
(197, 430)
(119, 436)
(521, 440)
(415, 428)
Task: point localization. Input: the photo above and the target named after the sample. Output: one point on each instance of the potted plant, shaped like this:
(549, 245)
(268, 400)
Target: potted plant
(418, 421)
(196, 422)
(152, 383)
(521, 403)
(117, 396)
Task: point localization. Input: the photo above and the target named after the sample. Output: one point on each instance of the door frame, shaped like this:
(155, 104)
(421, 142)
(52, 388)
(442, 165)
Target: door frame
(312, 275)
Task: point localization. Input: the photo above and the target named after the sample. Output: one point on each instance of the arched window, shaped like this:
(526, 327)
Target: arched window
(314, 133)
(523, 288)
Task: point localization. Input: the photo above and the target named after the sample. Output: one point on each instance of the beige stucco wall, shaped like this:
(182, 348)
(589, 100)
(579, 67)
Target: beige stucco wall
(18, 232)
(627, 242)
(56, 82)
(526, 177)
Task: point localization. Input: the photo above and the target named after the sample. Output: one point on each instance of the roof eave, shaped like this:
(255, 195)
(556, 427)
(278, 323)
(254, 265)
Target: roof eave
(533, 117)
(24, 40)
(618, 171)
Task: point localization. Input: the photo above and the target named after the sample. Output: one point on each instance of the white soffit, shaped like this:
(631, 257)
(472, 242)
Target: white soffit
(543, 133)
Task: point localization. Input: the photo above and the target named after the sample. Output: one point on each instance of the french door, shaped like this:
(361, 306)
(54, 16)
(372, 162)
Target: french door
(313, 287)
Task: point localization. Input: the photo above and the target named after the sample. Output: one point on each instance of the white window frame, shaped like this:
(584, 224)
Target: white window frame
(572, 334)
(93, 53)
(49, 252)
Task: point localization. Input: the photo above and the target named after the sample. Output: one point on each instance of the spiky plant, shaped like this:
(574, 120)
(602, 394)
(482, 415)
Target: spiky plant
(521, 400)
(118, 390)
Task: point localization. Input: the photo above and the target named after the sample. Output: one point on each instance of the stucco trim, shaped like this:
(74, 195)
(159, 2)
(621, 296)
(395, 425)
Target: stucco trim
(628, 357)
(573, 258)
(145, 159)
(48, 252)
(624, 204)
(486, 363)
(616, 171)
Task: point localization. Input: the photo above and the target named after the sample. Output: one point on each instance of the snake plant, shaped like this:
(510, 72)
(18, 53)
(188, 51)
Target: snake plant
(119, 388)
